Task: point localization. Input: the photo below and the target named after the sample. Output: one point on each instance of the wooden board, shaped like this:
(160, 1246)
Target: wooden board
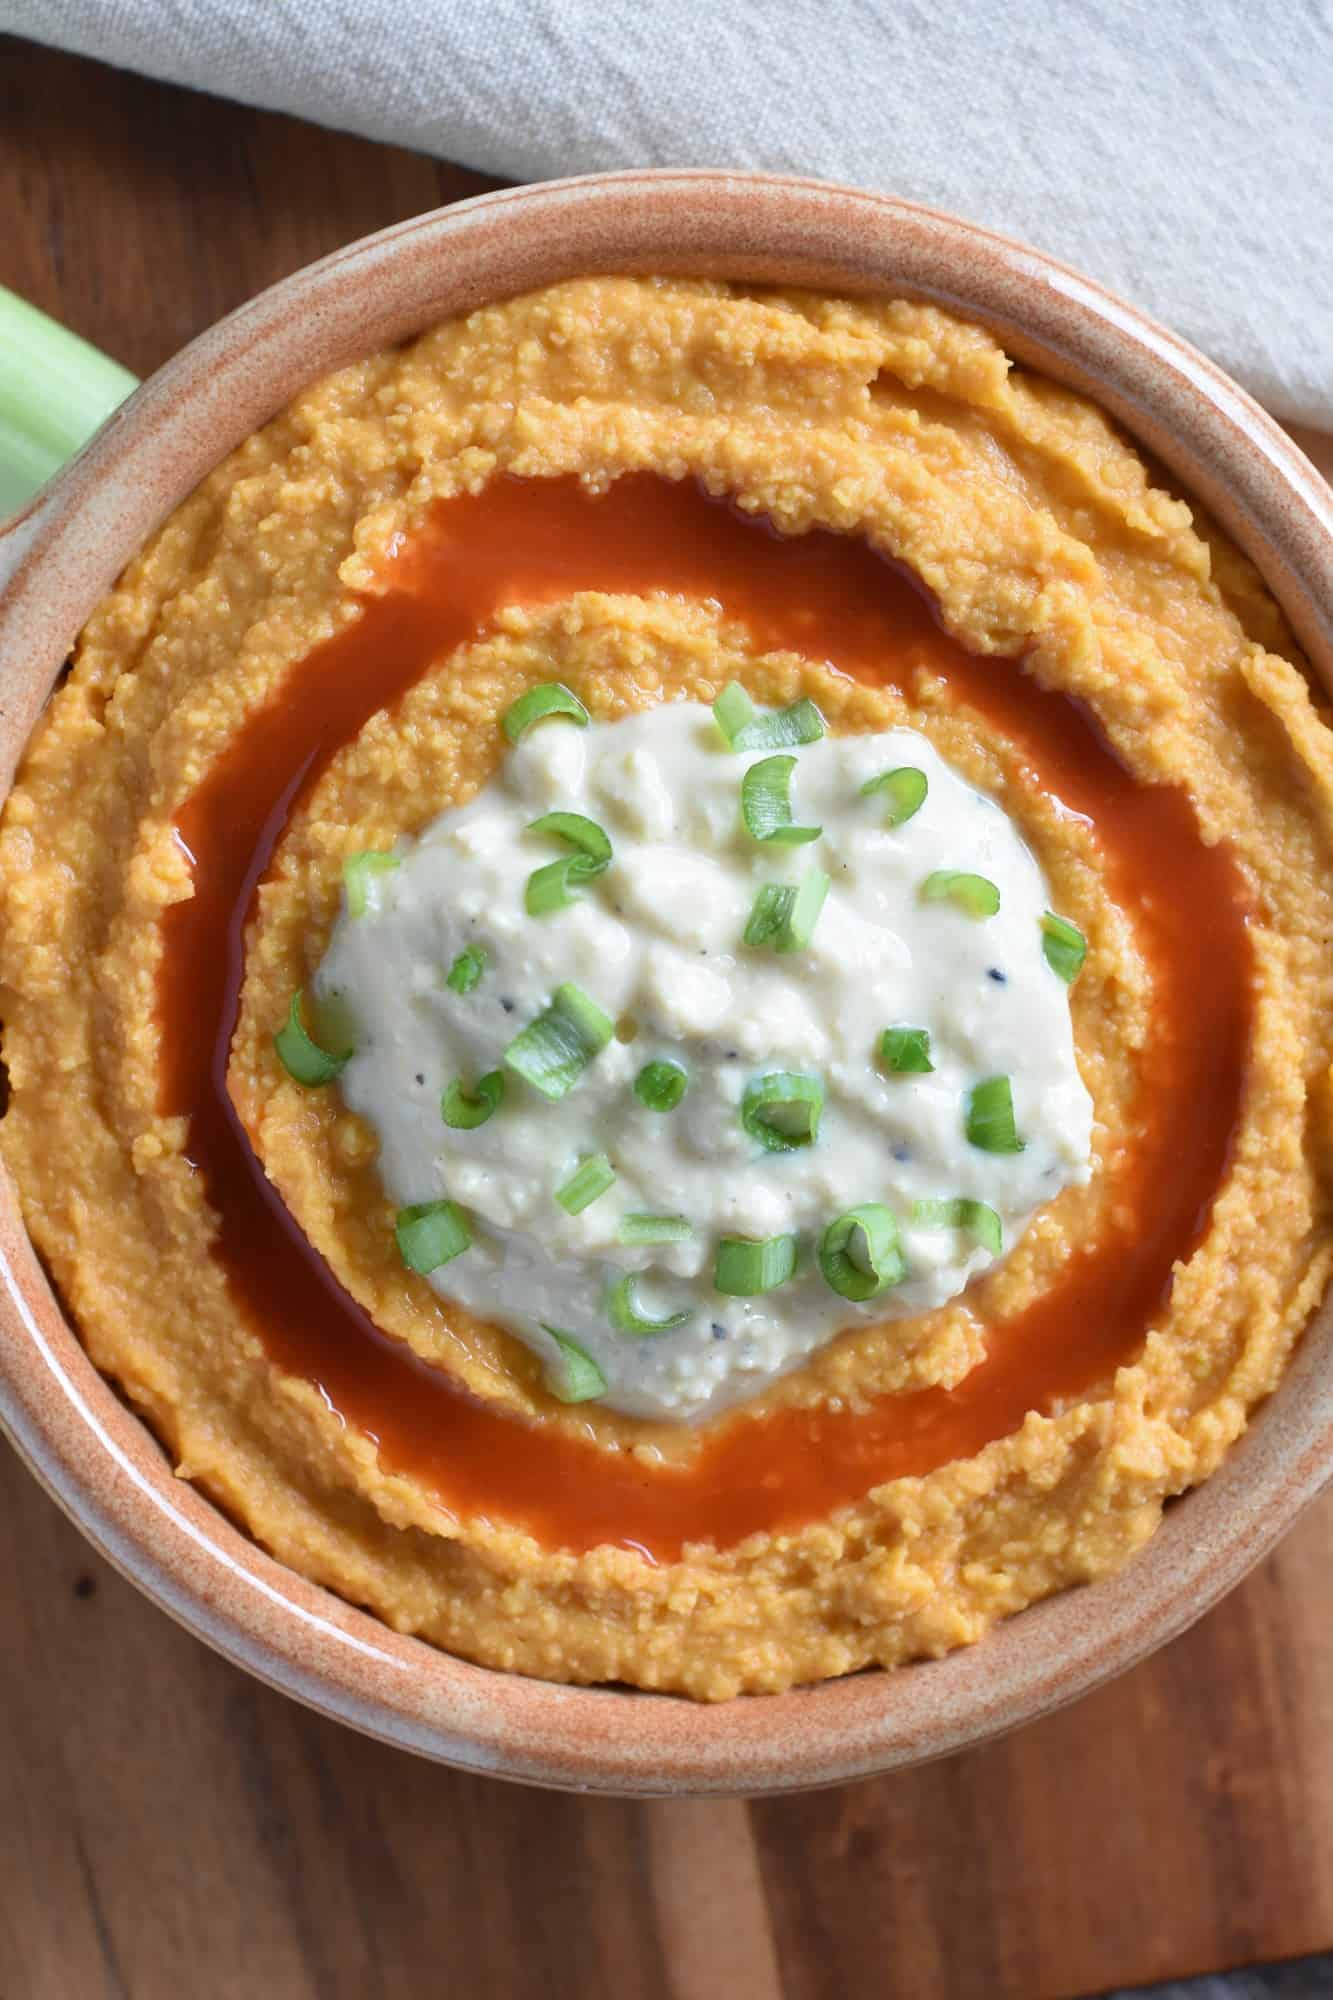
(169, 1827)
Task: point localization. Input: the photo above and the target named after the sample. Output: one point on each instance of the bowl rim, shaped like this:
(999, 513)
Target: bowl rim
(100, 1462)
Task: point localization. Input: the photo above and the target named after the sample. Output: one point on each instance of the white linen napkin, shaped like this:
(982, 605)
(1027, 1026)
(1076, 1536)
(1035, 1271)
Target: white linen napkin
(1179, 150)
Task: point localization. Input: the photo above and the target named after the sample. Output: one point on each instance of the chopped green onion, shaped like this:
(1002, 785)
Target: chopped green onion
(1064, 945)
(661, 1085)
(622, 1308)
(904, 792)
(766, 803)
(859, 1254)
(539, 703)
(431, 1233)
(549, 888)
(357, 870)
(799, 723)
(768, 917)
(595, 1027)
(972, 894)
(465, 1110)
(745, 1267)
(301, 1056)
(466, 969)
(906, 1051)
(580, 1379)
(638, 1229)
(553, 1051)
(799, 927)
(747, 728)
(591, 1178)
(782, 1110)
(963, 1213)
(733, 711)
(786, 917)
(990, 1116)
(584, 834)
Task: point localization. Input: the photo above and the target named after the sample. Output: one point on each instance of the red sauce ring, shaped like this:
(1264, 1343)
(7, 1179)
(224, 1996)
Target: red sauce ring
(822, 595)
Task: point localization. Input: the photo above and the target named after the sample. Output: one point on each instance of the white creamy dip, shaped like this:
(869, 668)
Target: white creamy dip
(656, 941)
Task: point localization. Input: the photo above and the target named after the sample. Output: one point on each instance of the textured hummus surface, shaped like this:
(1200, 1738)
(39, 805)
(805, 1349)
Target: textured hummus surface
(1038, 530)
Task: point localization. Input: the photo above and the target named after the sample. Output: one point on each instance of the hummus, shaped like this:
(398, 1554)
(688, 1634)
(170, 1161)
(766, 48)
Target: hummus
(327, 636)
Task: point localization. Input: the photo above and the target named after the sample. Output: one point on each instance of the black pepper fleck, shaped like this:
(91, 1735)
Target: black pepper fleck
(902, 1153)
(421, 1077)
(1000, 978)
(85, 1585)
(719, 1331)
(508, 1005)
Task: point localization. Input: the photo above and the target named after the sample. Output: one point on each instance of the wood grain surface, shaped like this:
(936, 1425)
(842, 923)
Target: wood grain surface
(168, 1827)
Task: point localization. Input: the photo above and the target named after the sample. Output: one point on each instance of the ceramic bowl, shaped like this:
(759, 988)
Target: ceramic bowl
(95, 1457)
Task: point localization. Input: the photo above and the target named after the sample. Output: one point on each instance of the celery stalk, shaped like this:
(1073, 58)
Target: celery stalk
(55, 391)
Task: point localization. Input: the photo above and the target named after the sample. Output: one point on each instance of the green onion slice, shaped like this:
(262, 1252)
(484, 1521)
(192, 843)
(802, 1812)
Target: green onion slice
(769, 915)
(963, 1213)
(782, 1110)
(580, 1379)
(464, 1110)
(733, 711)
(785, 917)
(539, 703)
(661, 1085)
(990, 1116)
(972, 894)
(766, 803)
(904, 792)
(906, 1051)
(859, 1254)
(1064, 946)
(357, 871)
(466, 969)
(591, 1178)
(553, 1051)
(744, 1267)
(745, 727)
(807, 903)
(581, 833)
(638, 1229)
(431, 1233)
(623, 1310)
(550, 888)
(301, 1056)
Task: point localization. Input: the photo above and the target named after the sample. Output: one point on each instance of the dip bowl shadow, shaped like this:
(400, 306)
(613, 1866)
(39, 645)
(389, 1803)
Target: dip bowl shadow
(95, 1457)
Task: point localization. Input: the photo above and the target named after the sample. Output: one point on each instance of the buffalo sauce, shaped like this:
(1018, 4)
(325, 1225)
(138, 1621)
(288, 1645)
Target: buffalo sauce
(832, 599)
